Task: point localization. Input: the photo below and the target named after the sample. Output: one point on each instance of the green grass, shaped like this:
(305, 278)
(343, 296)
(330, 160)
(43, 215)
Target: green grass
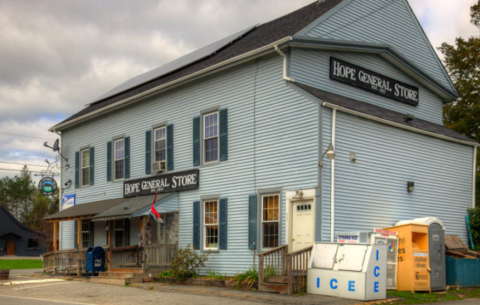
(20, 264)
(425, 297)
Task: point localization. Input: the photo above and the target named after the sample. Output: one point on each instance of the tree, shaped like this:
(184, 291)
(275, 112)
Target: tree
(462, 62)
(16, 192)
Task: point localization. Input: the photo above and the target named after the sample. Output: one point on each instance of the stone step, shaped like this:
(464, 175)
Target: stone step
(273, 287)
(119, 281)
(118, 274)
(277, 279)
(126, 270)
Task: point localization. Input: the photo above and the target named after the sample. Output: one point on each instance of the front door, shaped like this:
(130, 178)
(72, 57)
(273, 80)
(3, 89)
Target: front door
(11, 247)
(303, 225)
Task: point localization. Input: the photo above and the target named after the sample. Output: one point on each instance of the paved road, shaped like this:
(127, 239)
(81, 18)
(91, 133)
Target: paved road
(463, 302)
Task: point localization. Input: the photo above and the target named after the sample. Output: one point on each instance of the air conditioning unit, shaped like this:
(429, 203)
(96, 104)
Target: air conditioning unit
(159, 166)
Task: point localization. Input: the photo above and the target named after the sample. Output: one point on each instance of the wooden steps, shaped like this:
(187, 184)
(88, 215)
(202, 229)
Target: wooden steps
(275, 284)
(119, 276)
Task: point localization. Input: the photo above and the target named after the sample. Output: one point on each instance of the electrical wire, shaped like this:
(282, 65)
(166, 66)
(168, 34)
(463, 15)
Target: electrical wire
(4, 162)
(17, 170)
(17, 135)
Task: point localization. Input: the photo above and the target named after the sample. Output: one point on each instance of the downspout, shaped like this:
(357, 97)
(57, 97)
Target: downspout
(285, 77)
(474, 175)
(332, 179)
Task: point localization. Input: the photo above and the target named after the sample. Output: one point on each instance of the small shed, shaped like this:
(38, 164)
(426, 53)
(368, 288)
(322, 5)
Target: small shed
(17, 239)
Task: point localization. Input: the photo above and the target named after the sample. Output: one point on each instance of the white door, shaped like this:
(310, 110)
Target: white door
(303, 226)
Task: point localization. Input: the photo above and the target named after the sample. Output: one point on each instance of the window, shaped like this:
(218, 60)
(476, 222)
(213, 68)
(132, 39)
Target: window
(33, 244)
(119, 232)
(85, 167)
(270, 221)
(119, 159)
(210, 137)
(85, 233)
(160, 140)
(211, 225)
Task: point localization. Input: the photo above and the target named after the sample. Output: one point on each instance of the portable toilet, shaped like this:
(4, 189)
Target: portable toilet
(436, 249)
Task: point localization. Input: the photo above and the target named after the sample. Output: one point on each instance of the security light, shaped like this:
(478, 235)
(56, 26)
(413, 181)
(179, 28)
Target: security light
(330, 152)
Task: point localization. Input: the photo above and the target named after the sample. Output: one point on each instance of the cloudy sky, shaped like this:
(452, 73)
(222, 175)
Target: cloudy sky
(56, 56)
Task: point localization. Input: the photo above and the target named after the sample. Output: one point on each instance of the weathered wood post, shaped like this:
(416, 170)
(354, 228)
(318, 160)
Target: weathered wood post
(144, 244)
(110, 245)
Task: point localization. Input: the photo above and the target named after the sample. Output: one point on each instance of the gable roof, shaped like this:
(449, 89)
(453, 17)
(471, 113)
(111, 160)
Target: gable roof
(383, 113)
(15, 220)
(261, 36)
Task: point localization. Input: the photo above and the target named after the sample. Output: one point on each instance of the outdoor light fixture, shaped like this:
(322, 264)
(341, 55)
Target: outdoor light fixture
(298, 194)
(330, 152)
(410, 186)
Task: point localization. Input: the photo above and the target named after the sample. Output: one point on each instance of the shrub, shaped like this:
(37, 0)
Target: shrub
(247, 278)
(474, 220)
(165, 274)
(212, 275)
(188, 262)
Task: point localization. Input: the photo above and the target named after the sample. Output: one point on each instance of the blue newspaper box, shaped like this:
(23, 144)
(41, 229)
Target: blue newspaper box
(94, 260)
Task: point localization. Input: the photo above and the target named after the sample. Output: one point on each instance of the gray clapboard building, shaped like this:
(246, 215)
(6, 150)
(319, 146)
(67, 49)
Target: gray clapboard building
(233, 137)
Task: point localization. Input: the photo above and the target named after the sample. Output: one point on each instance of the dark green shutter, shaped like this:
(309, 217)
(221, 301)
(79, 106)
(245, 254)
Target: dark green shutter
(223, 224)
(92, 234)
(92, 165)
(170, 147)
(252, 222)
(109, 161)
(127, 157)
(148, 152)
(196, 141)
(75, 237)
(126, 232)
(196, 224)
(77, 169)
(223, 134)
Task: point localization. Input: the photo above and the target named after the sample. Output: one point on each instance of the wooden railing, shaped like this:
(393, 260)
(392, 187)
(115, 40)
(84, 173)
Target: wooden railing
(65, 261)
(297, 267)
(126, 256)
(160, 255)
(272, 262)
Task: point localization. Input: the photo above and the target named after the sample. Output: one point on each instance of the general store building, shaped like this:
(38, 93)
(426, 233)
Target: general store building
(232, 136)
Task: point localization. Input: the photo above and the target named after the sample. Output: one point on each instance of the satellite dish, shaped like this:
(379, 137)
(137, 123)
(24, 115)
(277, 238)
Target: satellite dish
(55, 146)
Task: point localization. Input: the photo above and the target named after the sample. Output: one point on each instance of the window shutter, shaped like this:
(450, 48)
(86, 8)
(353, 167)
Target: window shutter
(252, 222)
(77, 169)
(92, 165)
(223, 224)
(148, 152)
(109, 161)
(92, 234)
(196, 224)
(196, 141)
(170, 147)
(75, 236)
(126, 232)
(223, 135)
(127, 157)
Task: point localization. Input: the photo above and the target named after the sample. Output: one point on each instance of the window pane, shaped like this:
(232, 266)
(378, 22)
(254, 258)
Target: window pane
(118, 238)
(85, 158)
(211, 212)
(270, 234)
(119, 169)
(85, 176)
(160, 144)
(211, 125)
(270, 208)
(119, 150)
(211, 236)
(211, 150)
(160, 155)
(159, 134)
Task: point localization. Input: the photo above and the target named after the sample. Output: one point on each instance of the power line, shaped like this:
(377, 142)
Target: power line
(17, 135)
(18, 170)
(23, 154)
(23, 164)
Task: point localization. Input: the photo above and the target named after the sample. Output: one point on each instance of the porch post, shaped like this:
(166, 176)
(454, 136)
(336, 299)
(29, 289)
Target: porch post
(79, 234)
(110, 247)
(144, 243)
(54, 236)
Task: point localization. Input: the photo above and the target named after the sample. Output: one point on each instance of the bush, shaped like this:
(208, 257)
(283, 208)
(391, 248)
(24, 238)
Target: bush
(212, 275)
(247, 278)
(474, 220)
(166, 274)
(188, 262)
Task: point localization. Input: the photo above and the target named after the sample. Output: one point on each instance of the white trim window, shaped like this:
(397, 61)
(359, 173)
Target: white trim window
(119, 159)
(85, 166)
(210, 137)
(86, 233)
(270, 221)
(210, 222)
(119, 232)
(160, 140)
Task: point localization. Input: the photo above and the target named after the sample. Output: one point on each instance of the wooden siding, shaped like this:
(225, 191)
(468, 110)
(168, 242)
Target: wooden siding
(373, 190)
(385, 22)
(312, 67)
(67, 233)
(100, 233)
(280, 153)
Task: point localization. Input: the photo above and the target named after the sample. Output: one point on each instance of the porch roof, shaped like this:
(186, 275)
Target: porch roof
(106, 209)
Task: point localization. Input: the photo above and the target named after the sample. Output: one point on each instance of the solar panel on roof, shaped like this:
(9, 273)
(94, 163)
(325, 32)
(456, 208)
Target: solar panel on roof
(174, 65)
